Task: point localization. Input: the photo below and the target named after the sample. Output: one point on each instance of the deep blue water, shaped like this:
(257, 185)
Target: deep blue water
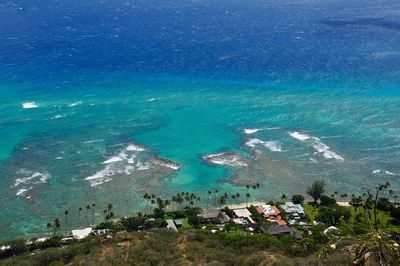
(185, 79)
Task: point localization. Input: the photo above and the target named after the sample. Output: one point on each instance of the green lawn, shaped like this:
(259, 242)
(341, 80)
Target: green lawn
(383, 217)
(185, 224)
(311, 211)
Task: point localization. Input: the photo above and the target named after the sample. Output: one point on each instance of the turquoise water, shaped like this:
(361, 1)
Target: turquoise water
(103, 102)
(182, 120)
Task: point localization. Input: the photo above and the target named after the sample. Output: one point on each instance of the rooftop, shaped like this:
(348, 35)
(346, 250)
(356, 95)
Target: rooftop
(242, 212)
(210, 213)
(290, 207)
(81, 233)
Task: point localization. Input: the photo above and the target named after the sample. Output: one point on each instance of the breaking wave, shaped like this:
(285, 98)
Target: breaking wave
(29, 180)
(274, 146)
(225, 158)
(30, 105)
(319, 147)
(126, 162)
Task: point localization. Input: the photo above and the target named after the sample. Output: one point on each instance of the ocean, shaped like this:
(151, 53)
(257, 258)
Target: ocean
(103, 101)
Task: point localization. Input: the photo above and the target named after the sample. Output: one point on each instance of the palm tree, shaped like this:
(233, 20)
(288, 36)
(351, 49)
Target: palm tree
(178, 199)
(167, 203)
(247, 197)
(390, 193)
(215, 196)
(237, 197)
(87, 214)
(65, 220)
(49, 226)
(222, 201)
(174, 201)
(209, 196)
(93, 209)
(283, 197)
(108, 213)
(148, 199)
(79, 216)
(56, 225)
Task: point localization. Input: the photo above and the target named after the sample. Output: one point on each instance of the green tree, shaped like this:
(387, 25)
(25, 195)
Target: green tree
(298, 199)
(93, 211)
(49, 226)
(87, 214)
(209, 197)
(56, 226)
(247, 198)
(316, 189)
(79, 216)
(327, 201)
(332, 214)
(65, 221)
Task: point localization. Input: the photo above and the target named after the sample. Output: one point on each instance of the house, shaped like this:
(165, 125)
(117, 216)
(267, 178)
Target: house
(81, 233)
(270, 212)
(171, 225)
(101, 231)
(294, 210)
(280, 222)
(244, 213)
(331, 230)
(178, 223)
(281, 230)
(214, 216)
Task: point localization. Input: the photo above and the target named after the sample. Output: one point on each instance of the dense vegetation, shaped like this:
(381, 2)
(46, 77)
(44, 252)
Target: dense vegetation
(366, 232)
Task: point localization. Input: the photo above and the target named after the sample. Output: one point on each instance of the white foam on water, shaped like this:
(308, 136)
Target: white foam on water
(102, 176)
(273, 146)
(251, 131)
(318, 145)
(328, 154)
(135, 147)
(152, 100)
(22, 191)
(56, 117)
(33, 178)
(59, 158)
(390, 173)
(143, 166)
(166, 163)
(93, 141)
(299, 136)
(30, 105)
(125, 162)
(75, 104)
(253, 142)
(379, 171)
(113, 159)
(225, 158)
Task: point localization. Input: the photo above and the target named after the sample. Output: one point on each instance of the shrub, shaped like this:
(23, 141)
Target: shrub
(316, 189)
(193, 216)
(384, 204)
(255, 215)
(395, 214)
(327, 201)
(298, 199)
(16, 247)
(331, 215)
